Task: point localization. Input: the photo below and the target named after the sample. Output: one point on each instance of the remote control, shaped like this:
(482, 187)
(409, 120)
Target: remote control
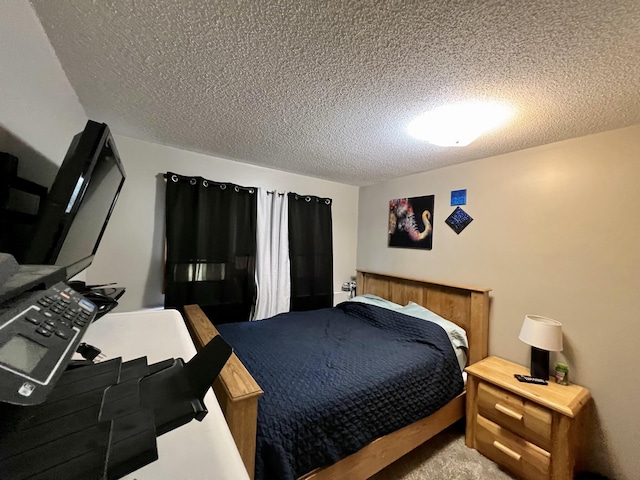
(528, 379)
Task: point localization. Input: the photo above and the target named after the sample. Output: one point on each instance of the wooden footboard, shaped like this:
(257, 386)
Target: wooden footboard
(385, 450)
(236, 390)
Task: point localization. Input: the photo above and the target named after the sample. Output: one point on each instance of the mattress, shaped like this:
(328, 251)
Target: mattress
(335, 379)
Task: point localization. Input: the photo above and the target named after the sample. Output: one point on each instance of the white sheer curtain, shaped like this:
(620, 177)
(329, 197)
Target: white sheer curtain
(272, 256)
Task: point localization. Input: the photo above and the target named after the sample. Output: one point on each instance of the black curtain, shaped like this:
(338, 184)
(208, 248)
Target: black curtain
(310, 252)
(211, 247)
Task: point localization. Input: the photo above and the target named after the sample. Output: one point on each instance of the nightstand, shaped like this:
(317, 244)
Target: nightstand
(531, 430)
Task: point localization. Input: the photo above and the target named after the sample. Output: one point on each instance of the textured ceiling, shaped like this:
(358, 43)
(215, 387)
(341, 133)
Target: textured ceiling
(327, 88)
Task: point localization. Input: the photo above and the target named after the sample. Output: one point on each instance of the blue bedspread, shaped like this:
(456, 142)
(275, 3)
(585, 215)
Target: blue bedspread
(335, 379)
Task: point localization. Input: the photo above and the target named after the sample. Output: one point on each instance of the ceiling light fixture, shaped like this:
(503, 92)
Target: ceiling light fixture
(459, 124)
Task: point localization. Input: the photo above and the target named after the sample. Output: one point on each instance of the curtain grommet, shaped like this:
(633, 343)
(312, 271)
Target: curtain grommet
(223, 186)
(174, 178)
(307, 199)
(327, 201)
(193, 181)
(251, 190)
(236, 188)
(205, 183)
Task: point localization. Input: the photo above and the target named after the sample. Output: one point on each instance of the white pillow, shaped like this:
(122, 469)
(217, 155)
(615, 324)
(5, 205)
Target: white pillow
(456, 334)
(377, 301)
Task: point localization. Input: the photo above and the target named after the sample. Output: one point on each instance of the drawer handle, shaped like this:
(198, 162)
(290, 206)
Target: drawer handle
(507, 451)
(508, 412)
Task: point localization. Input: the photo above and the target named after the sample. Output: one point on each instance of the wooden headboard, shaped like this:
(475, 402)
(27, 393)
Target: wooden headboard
(466, 306)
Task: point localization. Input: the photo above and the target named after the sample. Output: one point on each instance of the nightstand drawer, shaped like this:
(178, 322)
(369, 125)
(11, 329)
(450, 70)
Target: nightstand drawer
(522, 417)
(521, 457)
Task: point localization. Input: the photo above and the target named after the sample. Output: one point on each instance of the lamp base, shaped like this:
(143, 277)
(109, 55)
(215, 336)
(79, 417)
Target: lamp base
(539, 363)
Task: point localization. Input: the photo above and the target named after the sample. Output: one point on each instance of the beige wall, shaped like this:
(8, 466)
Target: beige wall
(39, 110)
(132, 247)
(556, 232)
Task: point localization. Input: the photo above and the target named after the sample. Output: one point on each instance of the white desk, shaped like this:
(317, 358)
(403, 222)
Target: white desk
(198, 450)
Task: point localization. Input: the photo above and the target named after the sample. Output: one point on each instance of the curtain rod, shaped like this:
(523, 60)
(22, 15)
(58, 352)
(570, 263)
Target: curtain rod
(194, 180)
(308, 198)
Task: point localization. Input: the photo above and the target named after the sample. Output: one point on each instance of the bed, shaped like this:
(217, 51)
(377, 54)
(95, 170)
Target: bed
(238, 392)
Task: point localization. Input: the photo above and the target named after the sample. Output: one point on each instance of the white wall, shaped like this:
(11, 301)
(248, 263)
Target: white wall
(131, 251)
(39, 111)
(556, 232)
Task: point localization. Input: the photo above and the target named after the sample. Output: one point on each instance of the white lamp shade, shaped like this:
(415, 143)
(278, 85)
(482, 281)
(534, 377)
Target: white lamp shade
(542, 332)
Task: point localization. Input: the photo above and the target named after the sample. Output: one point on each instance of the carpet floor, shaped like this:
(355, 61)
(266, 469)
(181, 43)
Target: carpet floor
(444, 457)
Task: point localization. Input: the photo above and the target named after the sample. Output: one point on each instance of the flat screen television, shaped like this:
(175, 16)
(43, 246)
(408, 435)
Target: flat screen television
(76, 211)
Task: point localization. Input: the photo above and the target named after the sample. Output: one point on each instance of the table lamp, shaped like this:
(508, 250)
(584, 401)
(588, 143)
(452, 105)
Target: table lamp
(544, 335)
